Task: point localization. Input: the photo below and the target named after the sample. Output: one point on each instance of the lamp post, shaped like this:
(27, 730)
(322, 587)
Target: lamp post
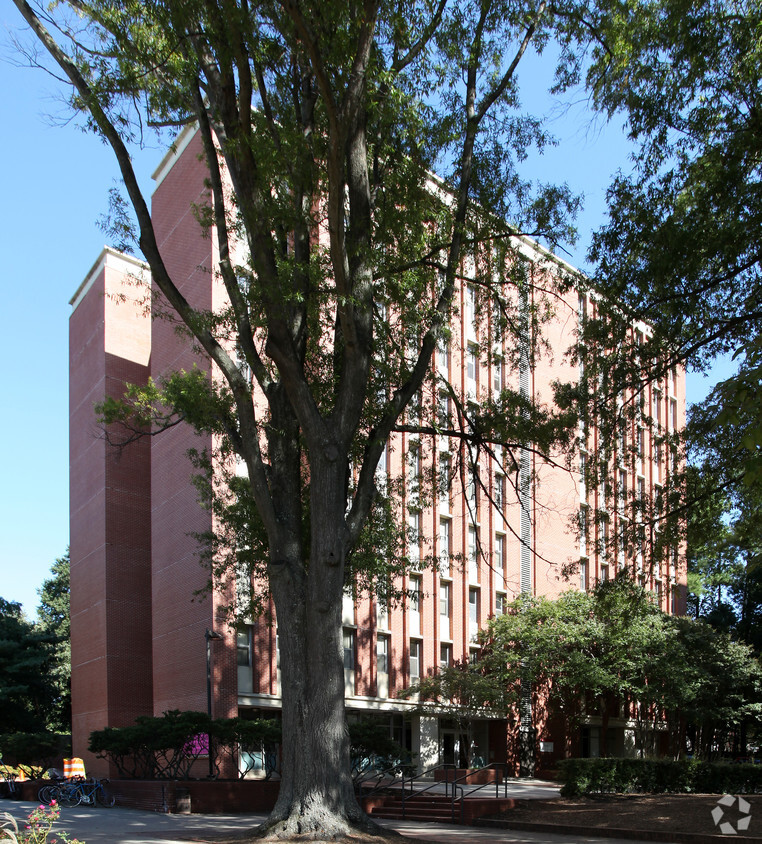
(209, 635)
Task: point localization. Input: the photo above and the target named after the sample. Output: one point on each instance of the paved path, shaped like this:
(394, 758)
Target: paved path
(133, 826)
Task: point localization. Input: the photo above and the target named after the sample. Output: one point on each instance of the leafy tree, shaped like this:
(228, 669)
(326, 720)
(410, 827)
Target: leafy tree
(26, 658)
(681, 248)
(462, 693)
(53, 620)
(587, 651)
(340, 256)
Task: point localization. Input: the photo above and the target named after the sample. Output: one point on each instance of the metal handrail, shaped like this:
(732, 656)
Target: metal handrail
(461, 788)
(420, 791)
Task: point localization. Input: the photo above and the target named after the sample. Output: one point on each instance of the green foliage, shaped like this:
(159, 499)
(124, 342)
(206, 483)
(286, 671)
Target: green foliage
(375, 753)
(614, 645)
(38, 828)
(656, 776)
(33, 752)
(167, 746)
(53, 619)
(27, 657)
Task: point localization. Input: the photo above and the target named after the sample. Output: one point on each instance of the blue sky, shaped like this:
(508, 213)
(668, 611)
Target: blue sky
(56, 180)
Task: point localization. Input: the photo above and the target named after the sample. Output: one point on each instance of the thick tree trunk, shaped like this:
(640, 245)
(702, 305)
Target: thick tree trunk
(316, 799)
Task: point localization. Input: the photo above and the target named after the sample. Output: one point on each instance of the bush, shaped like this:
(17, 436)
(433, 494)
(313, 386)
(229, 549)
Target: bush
(166, 747)
(656, 776)
(33, 753)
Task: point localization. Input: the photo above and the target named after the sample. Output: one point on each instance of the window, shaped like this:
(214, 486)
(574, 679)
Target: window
(382, 615)
(415, 604)
(445, 656)
(444, 599)
(473, 612)
(622, 490)
(470, 297)
(672, 421)
(415, 660)
(473, 564)
(499, 604)
(657, 409)
(604, 572)
(444, 410)
(472, 491)
(499, 562)
(349, 650)
(498, 492)
(497, 375)
(583, 574)
(243, 647)
(414, 537)
(443, 349)
(444, 545)
(382, 655)
(472, 365)
(443, 482)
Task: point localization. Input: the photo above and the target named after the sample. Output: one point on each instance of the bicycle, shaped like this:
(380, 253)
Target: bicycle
(71, 794)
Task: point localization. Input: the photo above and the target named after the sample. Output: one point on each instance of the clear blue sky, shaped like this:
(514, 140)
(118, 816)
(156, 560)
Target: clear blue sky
(56, 180)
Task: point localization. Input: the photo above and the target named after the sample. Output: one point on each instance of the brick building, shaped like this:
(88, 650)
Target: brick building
(137, 619)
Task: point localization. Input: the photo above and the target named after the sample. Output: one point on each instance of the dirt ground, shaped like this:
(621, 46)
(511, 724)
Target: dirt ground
(666, 813)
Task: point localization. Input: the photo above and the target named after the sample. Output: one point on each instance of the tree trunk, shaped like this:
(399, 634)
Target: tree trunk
(316, 799)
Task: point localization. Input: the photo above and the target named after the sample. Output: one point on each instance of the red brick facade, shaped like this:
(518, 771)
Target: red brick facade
(138, 620)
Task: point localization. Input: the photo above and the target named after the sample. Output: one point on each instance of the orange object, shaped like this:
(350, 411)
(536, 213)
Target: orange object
(21, 776)
(74, 767)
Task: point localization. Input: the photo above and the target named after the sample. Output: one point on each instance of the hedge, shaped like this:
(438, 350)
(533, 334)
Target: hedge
(657, 776)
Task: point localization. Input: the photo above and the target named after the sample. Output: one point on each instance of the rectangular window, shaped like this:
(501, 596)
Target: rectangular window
(473, 612)
(498, 492)
(445, 656)
(443, 351)
(415, 660)
(497, 375)
(444, 599)
(473, 562)
(414, 586)
(444, 411)
(583, 574)
(243, 647)
(443, 482)
(444, 545)
(470, 309)
(499, 562)
(349, 650)
(382, 615)
(472, 364)
(499, 604)
(382, 655)
(414, 537)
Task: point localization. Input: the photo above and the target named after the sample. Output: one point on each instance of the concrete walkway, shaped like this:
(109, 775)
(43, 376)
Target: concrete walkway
(132, 826)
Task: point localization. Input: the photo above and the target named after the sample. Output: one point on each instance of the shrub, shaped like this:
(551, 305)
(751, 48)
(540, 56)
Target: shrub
(656, 776)
(33, 752)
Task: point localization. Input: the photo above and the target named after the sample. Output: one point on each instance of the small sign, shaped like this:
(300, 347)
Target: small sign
(546, 747)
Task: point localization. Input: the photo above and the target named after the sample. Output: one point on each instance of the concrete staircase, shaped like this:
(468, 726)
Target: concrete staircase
(435, 807)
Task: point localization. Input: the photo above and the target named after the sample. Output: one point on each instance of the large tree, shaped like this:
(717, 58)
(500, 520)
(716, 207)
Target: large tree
(321, 125)
(26, 659)
(53, 619)
(681, 248)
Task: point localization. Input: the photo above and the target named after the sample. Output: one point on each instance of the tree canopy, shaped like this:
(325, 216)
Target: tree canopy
(27, 696)
(681, 248)
(342, 259)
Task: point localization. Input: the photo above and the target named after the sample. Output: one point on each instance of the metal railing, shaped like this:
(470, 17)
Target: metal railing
(462, 788)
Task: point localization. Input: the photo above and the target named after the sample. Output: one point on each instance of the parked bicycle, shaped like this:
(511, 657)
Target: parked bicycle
(81, 792)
